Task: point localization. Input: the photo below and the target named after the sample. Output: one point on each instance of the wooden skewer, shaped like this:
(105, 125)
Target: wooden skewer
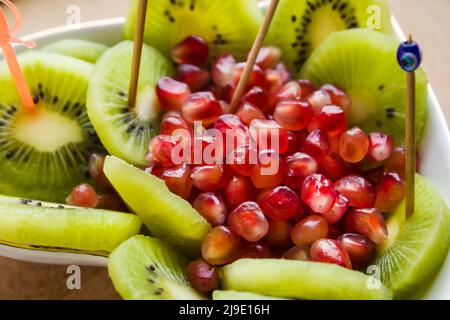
(257, 44)
(137, 53)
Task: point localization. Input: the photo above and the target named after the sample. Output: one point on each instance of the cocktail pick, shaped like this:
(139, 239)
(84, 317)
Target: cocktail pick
(137, 52)
(6, 39)
(257, 44)
(409, 57)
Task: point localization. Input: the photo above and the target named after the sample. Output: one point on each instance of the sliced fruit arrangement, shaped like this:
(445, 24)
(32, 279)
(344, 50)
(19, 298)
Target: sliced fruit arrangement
(44, 154)
(300, 26)
(48, 226)
(123, 131)
(81, 49)
(227, 25)
(363, 63)
(144, 268)
(237, 295)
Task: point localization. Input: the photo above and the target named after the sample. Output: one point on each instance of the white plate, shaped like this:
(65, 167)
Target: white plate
(435, 150)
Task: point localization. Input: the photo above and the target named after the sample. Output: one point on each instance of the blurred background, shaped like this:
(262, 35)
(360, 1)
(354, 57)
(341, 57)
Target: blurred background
(428, 21)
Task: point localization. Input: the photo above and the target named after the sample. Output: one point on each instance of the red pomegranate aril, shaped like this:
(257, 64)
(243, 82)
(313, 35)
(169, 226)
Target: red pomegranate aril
(96, 162)
(238, 190)
(161, 148)
(359, 248)
(280, 204)
(335, 144)
(248, 112)
(368, 222)
(178, 180)
(338, 96)
(268, 57)
(292, 143)
(171, 93)
(195, 77)
(289, 91)
(308, 230)
(318, 193)
(269, 171)
(337, 212)
(208, 177)
(293, 115)
(221, 246)
(234, 132)
(334, 167)
(202, 276)
(155, 169)
(248, 221)
(255, 250)
(242, 159)
(268, 134)
(330, 251)
(297, 253)
(354, 145)
(359, 192)
(279, 234)
(390, 192)
(257, 77)
(307, 88)
(317, 145)
(173, 121)
(298, 166)
(206, 149)
(111, 201)
(380, 147)
(257, 96)
(221, 70)
(331, 119)
(83, 195)
(192, 49)
(397, 161)
(318, 99)
(301, 138)
(202, 106)
(285, 74)
(275, 82)
(212, 207)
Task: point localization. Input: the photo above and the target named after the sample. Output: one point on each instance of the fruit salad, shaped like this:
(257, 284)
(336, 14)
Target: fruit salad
(303, 181)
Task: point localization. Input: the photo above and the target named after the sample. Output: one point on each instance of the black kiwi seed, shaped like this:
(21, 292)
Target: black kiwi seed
(36, 99)
(381, 87)
(66, 106)
(9, 154)
(61, 206)
(390, 113)
(39, 204)
(151, 281)
(55, 99)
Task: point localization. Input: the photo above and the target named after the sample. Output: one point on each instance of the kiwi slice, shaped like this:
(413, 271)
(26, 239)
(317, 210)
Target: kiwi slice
(81, 49)
(301, 280)
(364, 64)
(237, 295)
(40, 225)
(227, 25)
(44, 154)
(166, 215)
(300, 26)
(144, 268)
(416, 247)
(126, 132)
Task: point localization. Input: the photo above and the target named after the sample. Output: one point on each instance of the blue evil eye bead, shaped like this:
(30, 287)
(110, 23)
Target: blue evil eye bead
(409, 56)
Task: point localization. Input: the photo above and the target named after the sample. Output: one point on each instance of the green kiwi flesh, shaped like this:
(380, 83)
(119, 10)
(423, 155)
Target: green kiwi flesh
(44, 154)
(300, 26)
(364, 64)
(125, 132)
(47, 226)
(301, 280)
(227, 25)
(416, 247)
(167, 216)
(144, 268)
(81, 49)
(237, 295)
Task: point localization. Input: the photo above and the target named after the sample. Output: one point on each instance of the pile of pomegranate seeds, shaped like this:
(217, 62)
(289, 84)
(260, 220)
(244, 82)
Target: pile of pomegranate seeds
(281, 178)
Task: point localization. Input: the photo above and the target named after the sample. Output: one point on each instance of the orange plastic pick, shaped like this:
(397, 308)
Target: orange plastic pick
(6, 39)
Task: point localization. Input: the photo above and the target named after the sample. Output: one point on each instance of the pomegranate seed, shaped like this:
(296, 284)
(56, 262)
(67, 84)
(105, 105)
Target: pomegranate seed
(268, 134)
(279, 234)
(268, 57)
(221, 246)
(209, 177)
(275, 82)
(390, 192)
(241, 160)
(289, 91)
(303, 211)
(257, 96)
(284, 72)
(338, 96)
(317, 145)
(318, 99)
(83, 195)
(297, 253)
(212, 207)
(330, 251)
(293, 115)
(238, 190)
(334, 167)
(202, 276)
(248, 112)
(156, 169)
(308, 230)
(257, 77)
(111, 201)
(178, 180)
(269, 171)
(202, 106)
(292, 143)
(173, 121)
(222, 69)
(397, 161)
(255, 250)
(248, 221)
(307, 88)
(318, 193)
(335, 144)
(161, 148)
(234, 132)
(96, 162)
(280, 204)
(301, 138)
(354, 145)
(359, 248)
(380, 147)
(206, 149)
(357, 190)
(368, 222)
(192, 50)
(337, 212)
(298, 166)
(193, 76)
(331, 119)
(171, 93)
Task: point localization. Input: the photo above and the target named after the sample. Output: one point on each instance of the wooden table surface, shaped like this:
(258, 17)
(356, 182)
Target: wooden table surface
(428, 21)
